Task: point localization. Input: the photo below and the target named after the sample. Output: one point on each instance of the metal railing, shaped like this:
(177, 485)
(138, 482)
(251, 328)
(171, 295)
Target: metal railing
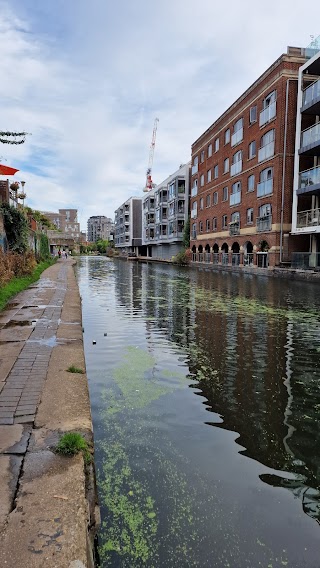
(311, 93)
(309, 218)
(309, 177)
(262, 260)
(268, 113)
(215, 258)
(305, 260)
(310, 135)
(235, 258)
(248, 259)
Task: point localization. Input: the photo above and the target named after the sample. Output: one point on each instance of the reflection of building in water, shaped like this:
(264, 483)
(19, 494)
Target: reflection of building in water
(128, 285)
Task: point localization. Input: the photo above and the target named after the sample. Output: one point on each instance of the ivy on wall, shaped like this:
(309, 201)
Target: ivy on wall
(16, 228)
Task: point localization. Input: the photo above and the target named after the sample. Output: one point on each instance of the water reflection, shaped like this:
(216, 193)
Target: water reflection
(248, 348)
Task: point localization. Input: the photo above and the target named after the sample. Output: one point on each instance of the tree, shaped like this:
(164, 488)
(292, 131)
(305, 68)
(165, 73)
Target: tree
(186, 234)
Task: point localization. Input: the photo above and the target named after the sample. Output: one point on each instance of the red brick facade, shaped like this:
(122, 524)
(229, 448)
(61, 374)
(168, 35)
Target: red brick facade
(260, 229)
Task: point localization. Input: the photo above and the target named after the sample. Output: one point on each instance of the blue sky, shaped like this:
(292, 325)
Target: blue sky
(87, 79)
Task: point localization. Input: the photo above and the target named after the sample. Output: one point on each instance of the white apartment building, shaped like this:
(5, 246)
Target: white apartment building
(128, 219)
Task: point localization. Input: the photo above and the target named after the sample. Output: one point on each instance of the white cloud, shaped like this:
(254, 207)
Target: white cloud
(88, 84)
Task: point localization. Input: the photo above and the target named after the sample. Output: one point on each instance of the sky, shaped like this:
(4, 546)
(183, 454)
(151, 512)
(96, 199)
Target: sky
(87, 78)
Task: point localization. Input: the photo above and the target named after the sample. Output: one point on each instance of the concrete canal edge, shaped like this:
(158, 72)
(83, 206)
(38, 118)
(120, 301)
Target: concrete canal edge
(54, 513)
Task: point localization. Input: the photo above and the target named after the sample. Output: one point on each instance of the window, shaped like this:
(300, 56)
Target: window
(194, 210)
(202, 180)
(194, 188)
(215, 198)
(252, 150)
(237, 135)
(227, 136)
(225, 194)
(208, 225)
(250, 216)
(194, 230)
(200, 227)
(202, 156)
(265, 186)
(216, 145)
(214, 223)
(216, 171)
(235, 217)
(265, 210)
(209, 175)
(226, 166)
(201, 203)
(195, 165)
(253, 114)
(251, 183)
(236, 166)
(224, 221)
(269, 108)
(266, 150)
(208, 200)
(209, 150)
(235, 197)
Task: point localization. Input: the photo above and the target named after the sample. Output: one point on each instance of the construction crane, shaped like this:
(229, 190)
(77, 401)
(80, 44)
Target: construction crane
(149, 184)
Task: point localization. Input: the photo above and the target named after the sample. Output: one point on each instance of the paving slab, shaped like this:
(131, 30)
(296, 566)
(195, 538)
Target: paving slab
(9, 474)
(14, 439)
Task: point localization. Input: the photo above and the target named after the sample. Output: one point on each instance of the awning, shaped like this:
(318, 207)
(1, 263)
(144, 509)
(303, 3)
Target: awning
(6, 171)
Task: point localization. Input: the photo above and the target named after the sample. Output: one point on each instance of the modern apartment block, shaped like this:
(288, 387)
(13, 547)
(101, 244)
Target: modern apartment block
(306, 190)
(128, 226)
(164, 214)
(242, 173)
(99, 227)
(66, 220)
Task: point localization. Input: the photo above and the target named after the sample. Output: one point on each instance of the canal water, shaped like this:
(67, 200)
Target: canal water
(205, 393)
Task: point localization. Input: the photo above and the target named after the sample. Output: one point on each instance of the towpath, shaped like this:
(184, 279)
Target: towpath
(47, 502)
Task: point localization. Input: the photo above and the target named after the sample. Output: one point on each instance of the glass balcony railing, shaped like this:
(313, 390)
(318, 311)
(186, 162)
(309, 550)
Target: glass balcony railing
(235, 198)
(194, 190)
(266, 152)
(310, 135)
(264, 223)
(311, 93)
(236, 168)
(237, 137)
(309, 177)
(265, 188)
(310, 218)
(268, 113)
(194, 169)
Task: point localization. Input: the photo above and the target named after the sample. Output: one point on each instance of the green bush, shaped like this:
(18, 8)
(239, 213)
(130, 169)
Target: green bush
(182, 258)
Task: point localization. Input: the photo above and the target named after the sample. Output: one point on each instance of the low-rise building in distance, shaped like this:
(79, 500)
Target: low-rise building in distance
(128, 226)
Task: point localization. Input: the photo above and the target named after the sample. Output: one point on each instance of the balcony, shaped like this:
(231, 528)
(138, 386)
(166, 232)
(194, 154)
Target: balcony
(234, 228)
(194, 169)
(236, 168)
(309, 181)
(265, 188)
(310, 141)
(266, 152)
(309, 218)
(264, 223)
(311, 98)
(237, 137)
(268, 113)
(235, 198)
(194, 190)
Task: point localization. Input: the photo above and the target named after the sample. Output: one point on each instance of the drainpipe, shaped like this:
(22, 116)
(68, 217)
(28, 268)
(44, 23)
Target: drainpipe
(284, 165)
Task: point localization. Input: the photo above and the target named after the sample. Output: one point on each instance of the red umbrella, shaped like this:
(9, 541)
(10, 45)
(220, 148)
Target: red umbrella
(6, 171)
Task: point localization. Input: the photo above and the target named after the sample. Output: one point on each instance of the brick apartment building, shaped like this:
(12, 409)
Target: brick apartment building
(242, 174)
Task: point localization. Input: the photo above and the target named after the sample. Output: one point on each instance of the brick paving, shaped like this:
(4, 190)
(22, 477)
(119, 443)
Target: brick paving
(22, 389)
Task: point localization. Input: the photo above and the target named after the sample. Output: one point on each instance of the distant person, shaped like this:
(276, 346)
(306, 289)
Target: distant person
(66, 254)
(59, 253)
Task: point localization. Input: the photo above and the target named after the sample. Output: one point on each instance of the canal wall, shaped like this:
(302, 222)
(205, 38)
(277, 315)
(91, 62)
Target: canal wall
(47, 499)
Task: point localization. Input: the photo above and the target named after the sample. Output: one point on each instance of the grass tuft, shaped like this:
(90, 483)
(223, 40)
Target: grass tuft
(73, 443)
(74, 369)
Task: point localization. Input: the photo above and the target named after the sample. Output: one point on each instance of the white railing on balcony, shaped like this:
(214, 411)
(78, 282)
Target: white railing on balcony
(266, 152)
(235, 198)
(194, 169)
(265, 188)
(237, 137)
(264, 223)
(309, 177)
(268, 113)
(310, 135)
(236, 168)
(311, 93)
(194, 190)
(193, 213)
(309, 218)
